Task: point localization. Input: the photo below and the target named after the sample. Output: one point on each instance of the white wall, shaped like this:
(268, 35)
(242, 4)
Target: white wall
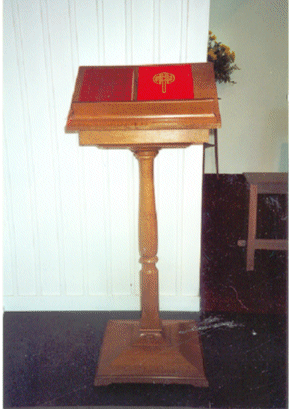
(254, 133)
(70, 212)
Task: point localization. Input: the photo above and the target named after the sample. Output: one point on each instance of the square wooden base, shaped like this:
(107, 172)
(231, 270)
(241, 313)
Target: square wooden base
(177, 359)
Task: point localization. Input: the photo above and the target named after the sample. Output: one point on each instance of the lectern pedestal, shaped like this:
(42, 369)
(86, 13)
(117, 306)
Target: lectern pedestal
(146, 120)
(150, 350)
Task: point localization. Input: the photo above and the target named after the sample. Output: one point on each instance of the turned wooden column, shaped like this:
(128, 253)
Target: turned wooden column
(148, 244)
(145, 109)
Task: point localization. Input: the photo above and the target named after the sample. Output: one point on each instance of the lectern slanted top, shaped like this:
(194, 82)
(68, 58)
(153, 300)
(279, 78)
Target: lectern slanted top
(118, 99)
(145, 109)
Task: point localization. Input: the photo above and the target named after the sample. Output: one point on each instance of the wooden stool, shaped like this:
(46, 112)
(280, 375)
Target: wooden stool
(270, 183)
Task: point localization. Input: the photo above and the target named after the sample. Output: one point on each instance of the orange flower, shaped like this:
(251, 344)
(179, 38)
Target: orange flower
(212, 55)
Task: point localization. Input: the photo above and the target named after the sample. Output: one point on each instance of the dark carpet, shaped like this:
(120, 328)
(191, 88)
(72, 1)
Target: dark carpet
(225, 284)
(50, 357)
(50, 360)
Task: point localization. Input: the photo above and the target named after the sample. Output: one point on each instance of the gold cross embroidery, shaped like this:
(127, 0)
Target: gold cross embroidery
(164, 78)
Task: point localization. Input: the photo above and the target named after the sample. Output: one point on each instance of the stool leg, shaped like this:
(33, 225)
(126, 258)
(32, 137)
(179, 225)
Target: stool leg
(252, 227)
(204, 150)
(216, 151)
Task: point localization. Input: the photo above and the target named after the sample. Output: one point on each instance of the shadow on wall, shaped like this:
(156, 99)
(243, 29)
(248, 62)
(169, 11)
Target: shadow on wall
(283, 164)
(277, 129)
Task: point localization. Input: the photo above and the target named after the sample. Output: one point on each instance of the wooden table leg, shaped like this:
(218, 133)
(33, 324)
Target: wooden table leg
(216, 152)
(252, 227)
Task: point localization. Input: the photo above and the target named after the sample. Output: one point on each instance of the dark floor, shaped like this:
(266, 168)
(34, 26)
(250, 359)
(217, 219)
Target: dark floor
(50, 357)
(50, 360)
(225, 284)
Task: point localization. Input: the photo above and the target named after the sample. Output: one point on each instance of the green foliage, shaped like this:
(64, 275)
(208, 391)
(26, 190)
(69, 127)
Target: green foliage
(223, 59)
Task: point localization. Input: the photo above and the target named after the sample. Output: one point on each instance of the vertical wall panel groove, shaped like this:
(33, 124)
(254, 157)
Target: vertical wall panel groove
(134, 250)
(128, 33)
(95, 197)
(101, 38)
(184, 32)
(27, 133)
(27, 152)
(68, 147)
(179, 215)
(30, 156)
(156, 31)
(73, 38)
(198, 27)
(168, 220)
(107, 230)
(88, 41)
(114, 16)
(10, 267)
(120, 220)
(170, 39)
(80, 153)
(52, 129)
(72, 221)
(191, 239)
(41, 152)
(143, 28)
(108, 226)
(156, 60)
(86, 33)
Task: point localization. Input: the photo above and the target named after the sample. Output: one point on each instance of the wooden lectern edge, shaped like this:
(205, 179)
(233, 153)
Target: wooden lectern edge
(78, 126)
(129, 124)
(158, 138)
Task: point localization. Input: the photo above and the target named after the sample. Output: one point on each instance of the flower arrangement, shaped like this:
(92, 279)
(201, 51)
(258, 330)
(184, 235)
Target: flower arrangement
(223, 59)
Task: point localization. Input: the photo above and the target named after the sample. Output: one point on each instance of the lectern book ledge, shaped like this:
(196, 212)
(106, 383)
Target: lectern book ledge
(145, 109)
(181, 96)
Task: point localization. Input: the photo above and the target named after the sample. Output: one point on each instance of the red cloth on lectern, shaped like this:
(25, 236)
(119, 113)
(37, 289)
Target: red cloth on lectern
(107, 84)
(167, 82)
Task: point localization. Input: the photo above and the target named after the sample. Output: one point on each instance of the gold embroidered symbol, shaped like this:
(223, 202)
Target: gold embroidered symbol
(164, 78)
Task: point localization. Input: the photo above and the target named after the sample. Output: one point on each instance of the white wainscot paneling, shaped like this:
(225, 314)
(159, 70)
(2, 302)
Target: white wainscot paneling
(197, 30)
(179, 197)
(114, 32)
(19, 194)
(71, 212)
(142, 24)
(170, 40)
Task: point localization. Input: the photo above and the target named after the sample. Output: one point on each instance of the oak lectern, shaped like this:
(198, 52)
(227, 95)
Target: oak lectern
(145, 109)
